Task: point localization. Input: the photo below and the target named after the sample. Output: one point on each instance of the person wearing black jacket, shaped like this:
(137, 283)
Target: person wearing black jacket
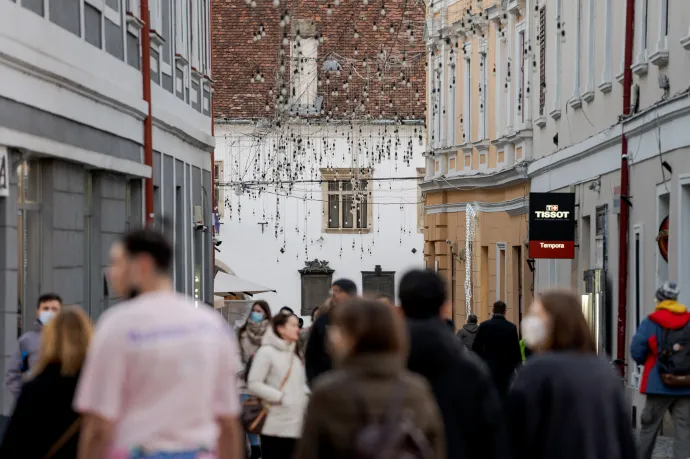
(317, 359)
(470, 407)
(498, 344)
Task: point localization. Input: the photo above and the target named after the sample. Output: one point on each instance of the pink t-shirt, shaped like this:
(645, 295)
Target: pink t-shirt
(162, 371)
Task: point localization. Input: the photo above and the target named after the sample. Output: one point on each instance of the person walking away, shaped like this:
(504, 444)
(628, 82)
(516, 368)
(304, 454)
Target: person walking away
(249, 337)
(370, 383)
(277, 377)
(160, 375)
(566, 402)
(470, 407)
(316, 356)
(498, 344)
(26, 355)
(653, 347)
(468, 331)
(43, 423)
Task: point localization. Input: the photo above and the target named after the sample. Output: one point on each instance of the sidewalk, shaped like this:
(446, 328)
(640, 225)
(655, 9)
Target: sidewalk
(663, 448)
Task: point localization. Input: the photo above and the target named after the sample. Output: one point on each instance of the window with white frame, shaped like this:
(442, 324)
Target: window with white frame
(156, 14)
(304, 60)
(195, 35)
(109, 10)
(347, 200)
(182, 31)
(662, 45)
(642, 9)
(483, 97)
(467, 96)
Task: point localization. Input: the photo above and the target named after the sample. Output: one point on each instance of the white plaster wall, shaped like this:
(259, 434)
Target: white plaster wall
(256, 256)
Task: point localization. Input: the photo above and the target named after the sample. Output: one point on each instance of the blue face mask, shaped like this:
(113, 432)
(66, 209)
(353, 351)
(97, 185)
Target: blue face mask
(46, 316)
(256, 317)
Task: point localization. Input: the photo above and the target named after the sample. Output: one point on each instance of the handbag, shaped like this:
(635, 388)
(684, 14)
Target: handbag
(64, 438)
(255, 409)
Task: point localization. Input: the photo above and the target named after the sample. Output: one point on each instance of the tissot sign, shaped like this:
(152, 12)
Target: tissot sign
(552, 225)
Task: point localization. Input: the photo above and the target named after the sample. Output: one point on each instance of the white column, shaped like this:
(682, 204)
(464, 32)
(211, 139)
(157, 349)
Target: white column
(527, 97)
(606, 76)
(431, 96)
(578, 49)
(443, 105)
(663, 20)
(510, 74)
(592, 5)
(499, 82)
(641, 30)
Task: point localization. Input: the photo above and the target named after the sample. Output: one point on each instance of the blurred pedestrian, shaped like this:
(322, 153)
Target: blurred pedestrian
(305, 332)
(286, 310)
(469, 404)
(249, 337)
(160, 376)
(498, 344)
(566, 402)
(277, 377)
(370, 384)
(43, 423)
(468, 331)
(316, 356)
(660, 345)
(24, 357)
(385, 299)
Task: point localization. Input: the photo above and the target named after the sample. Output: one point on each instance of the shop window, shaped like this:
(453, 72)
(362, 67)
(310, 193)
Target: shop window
(29, 241)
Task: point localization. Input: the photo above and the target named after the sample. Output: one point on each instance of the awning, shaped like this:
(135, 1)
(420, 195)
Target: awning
(226, 284)
(222, 267)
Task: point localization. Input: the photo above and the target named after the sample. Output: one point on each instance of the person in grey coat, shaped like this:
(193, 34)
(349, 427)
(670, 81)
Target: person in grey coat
(468, 332)
(26, 354)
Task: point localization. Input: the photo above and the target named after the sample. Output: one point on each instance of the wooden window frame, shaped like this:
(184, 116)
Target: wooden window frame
(342, 175)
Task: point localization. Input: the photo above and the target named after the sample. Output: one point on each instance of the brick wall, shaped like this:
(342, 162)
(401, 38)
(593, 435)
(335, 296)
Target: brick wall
(237, 57)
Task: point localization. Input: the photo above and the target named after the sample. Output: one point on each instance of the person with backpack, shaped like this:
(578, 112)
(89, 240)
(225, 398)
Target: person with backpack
(249, 338)
(662, 345)
(469, 331)
(370, 407)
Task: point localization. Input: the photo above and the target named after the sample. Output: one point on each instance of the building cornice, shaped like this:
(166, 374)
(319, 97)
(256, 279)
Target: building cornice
(500, 179)
(512, 207)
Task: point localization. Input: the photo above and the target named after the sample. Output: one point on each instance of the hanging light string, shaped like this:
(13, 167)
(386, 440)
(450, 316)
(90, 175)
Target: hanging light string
(470, 229)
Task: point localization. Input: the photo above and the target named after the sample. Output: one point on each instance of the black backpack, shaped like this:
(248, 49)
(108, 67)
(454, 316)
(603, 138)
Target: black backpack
(674, 356)
(396, 436)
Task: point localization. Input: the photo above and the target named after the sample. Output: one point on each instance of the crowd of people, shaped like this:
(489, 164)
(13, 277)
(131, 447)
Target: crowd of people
(371, 378)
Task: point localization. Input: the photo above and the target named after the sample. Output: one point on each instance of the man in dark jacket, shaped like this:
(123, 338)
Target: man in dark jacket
(468, 331)
(498, 344)
(317, 360)
(471, 410)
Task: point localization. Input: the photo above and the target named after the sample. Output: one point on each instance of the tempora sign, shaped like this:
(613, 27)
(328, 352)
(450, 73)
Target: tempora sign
(552, 225)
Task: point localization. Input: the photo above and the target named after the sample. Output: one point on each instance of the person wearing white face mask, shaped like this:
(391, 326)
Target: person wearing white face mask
(566, 402)
(24, 358)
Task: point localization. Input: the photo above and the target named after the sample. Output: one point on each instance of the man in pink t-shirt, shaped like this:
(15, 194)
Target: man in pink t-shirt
(159, 378)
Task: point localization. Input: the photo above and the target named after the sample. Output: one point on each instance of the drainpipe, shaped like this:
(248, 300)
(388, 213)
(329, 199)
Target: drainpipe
(213, 134)
(625, 190)
(148, 122)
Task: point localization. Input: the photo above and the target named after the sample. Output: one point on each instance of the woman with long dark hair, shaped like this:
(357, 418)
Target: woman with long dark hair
(566, 402)
(249, 338)
(277, 376)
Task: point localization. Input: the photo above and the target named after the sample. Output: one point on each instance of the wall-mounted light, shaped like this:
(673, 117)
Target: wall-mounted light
(531, 264)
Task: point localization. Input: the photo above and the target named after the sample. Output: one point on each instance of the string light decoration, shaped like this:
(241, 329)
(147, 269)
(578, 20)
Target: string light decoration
(470, 233)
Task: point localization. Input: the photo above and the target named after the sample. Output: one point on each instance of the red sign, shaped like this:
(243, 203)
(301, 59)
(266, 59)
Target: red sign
(662, 238)
(552, 249)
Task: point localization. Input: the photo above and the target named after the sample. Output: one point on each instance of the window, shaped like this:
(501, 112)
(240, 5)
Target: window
(181, 30)
(156, 14)
(608, 21)
(467, 98)
(601, 221)
(421, 173)
(558, 51)
(592, 5)
(638, 273)
(218, 191)
(317, 278)
(378, 282)
(578, 52)
(483, 98)
(347, 200)
(304, 62)
(542, 60)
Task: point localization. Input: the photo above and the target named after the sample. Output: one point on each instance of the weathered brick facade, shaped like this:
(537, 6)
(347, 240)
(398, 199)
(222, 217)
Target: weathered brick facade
(237, 57)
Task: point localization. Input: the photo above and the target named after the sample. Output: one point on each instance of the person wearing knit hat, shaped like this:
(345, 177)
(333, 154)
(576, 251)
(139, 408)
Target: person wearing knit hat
(317, 359)
(655, 343)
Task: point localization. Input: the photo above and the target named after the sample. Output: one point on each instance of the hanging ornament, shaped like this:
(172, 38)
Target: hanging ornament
(470, 229)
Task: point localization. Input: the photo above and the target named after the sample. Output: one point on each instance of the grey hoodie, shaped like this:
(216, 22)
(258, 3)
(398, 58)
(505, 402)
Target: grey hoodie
(467, 334)
(27, 348)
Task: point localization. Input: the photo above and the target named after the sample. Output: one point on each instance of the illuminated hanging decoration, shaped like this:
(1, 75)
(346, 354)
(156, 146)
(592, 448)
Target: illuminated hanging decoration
(470, 230)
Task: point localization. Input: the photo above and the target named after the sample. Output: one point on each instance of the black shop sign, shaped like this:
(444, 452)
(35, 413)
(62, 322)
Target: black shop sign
(552, 225)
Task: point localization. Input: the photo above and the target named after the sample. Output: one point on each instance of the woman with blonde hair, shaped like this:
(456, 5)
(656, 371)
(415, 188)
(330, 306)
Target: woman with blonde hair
(43, 424)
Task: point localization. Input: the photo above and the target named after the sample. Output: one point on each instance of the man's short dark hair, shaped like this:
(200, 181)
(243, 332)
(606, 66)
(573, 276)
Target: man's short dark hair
(147, 241)
(500, 307)
(48, 297)
(472, 319)
(422, 294)
(347, 286)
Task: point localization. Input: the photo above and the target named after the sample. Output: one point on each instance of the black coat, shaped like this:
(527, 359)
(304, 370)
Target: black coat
(317, 359)
(498, 344)
(471, 411)
(42, 414)
(569, 406)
